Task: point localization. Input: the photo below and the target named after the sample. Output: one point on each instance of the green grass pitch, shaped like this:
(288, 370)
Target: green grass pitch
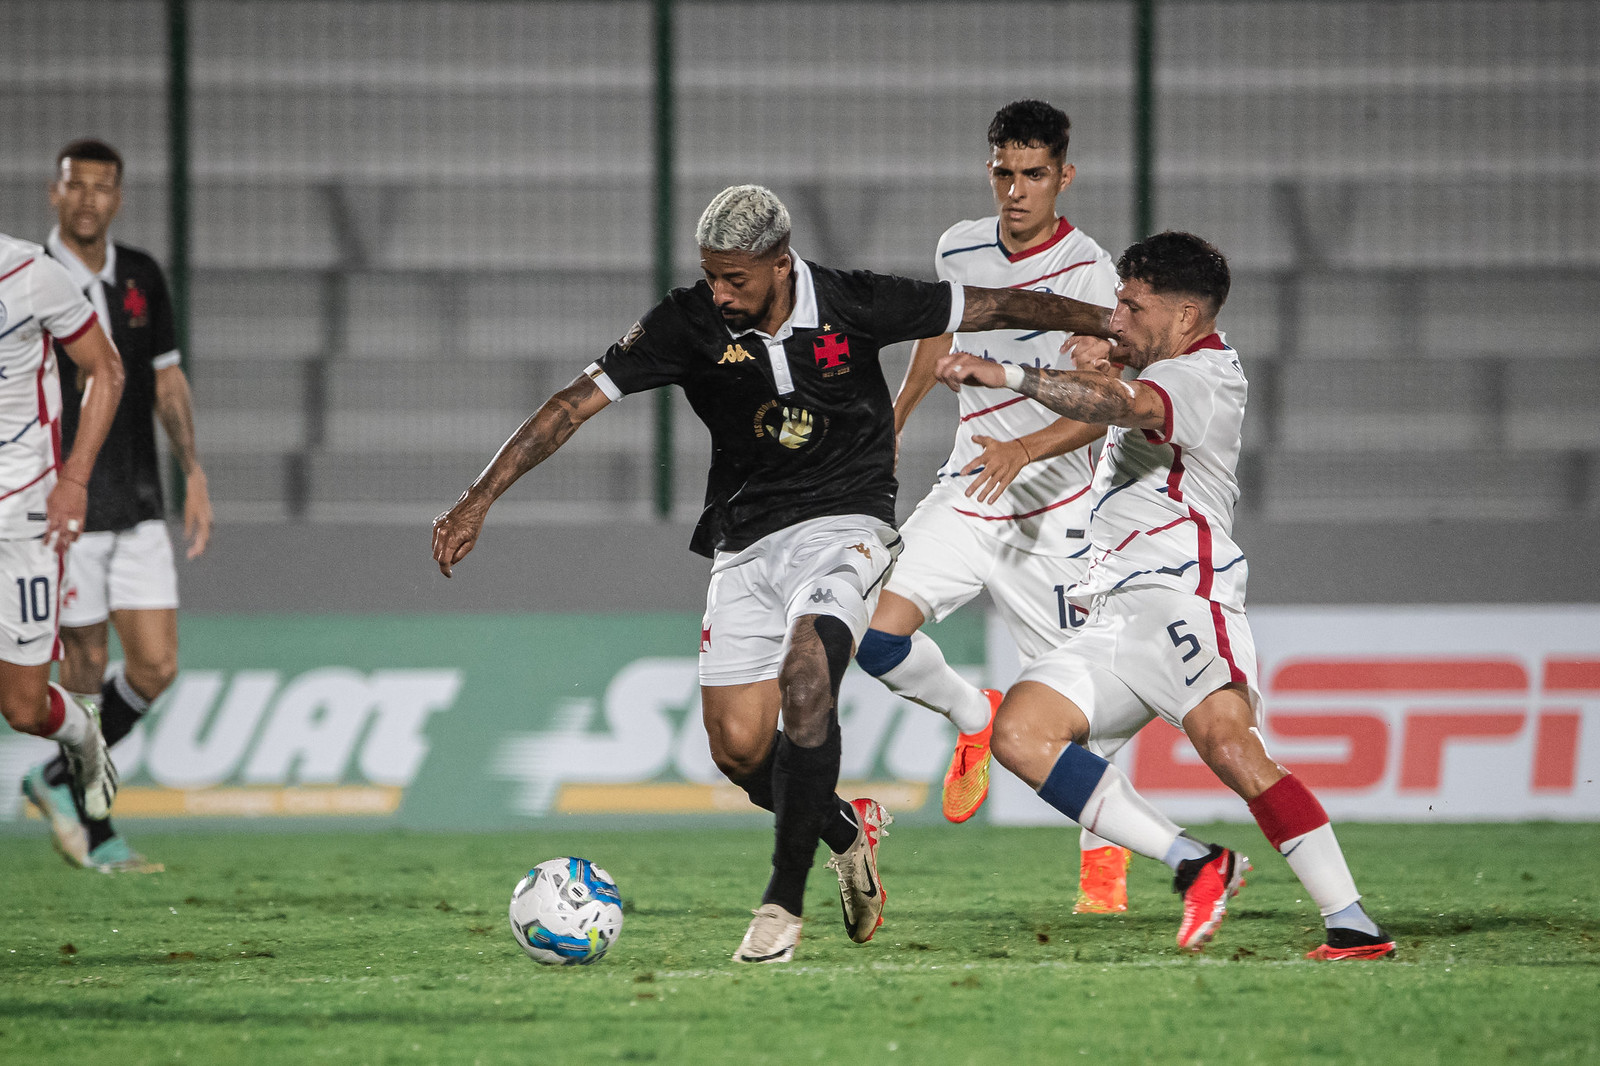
(393, 948)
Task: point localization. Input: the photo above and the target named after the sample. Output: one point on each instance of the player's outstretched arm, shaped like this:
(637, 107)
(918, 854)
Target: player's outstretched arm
(1026, 309)
(1083, 395)
(175, 408)
(919, 379)
(456, 531)
(102, 391)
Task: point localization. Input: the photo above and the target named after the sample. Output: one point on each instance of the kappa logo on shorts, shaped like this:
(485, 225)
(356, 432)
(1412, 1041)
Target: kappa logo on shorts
(863, 549)
(822, 596)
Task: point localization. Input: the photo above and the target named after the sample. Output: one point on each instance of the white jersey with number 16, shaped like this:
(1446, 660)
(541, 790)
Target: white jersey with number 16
(1045, 510)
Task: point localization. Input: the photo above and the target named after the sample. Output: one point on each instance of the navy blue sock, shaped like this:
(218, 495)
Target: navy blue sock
(881, 652)
(1072, 780)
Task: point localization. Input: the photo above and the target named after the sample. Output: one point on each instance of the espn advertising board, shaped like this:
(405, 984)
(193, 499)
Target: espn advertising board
(479, 721)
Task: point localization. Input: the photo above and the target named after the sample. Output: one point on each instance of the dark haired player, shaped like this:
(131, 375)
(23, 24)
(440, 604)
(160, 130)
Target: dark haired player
(779, 358)
(1166, 633)
(122, 568)
(1010, 509)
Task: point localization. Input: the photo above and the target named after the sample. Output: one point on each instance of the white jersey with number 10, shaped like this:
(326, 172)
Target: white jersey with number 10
(38, 304)
(1046, 509)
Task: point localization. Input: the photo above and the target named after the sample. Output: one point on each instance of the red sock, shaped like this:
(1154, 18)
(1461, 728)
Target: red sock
(1287, 810)
(58, 713)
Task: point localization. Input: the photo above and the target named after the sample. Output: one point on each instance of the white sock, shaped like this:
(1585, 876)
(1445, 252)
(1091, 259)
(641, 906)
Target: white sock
(1123, 817)
(75, 723)
(90, 700)
(923, 677)
(1318, 861)
(1088, 841)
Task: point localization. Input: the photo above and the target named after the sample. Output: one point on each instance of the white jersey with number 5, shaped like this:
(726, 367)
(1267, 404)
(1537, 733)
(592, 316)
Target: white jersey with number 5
(38, 304)
(1046, 509)
(1165, 499)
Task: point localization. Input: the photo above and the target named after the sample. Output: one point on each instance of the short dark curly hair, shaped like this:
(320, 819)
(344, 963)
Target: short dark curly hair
(93, 151)
(1032, 124)
(1178, 262)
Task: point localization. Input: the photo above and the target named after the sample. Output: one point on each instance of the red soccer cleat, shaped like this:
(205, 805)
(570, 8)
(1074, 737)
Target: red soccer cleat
(1353, 944)
(1206, 886)
(966, 782)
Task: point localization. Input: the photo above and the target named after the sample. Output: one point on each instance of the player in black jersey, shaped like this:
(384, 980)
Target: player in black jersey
(779, 358)
(121, 570)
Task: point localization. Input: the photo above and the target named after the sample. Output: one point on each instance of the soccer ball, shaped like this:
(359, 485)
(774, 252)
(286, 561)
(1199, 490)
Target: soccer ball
(566, 912)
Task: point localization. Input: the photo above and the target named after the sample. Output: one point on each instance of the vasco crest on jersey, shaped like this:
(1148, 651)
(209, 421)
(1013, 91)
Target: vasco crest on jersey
(832, 353)
(135, 305)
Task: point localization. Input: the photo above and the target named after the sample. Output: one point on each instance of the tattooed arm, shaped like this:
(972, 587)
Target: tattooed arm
(1083, 395)
(1026, 309)
(456, 531)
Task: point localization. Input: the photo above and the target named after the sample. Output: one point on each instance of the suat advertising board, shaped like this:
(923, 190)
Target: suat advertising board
(490, 721)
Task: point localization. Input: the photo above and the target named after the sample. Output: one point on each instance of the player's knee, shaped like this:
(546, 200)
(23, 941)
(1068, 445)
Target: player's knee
(153, 677)
(881, 652)
(739, 753)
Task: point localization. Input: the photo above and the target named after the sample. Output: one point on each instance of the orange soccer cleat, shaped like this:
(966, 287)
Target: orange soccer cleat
(1103, 881)
(966, 782)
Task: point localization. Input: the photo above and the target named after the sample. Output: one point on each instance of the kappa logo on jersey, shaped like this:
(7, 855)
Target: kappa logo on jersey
(822, 596)
(136, 305)
(832, 351)
(631, 338)
(735, 353)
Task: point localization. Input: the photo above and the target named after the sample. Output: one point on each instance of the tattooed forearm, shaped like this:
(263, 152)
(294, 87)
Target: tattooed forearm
(1026, 309)
(546, 430)
(1087, 397)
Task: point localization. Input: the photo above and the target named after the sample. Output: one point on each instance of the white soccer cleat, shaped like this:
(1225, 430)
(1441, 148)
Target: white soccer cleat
(94, 778)
(771, 937)
(861, 893)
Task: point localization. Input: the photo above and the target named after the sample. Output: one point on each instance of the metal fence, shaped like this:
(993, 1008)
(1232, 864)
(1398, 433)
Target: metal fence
(406, 222)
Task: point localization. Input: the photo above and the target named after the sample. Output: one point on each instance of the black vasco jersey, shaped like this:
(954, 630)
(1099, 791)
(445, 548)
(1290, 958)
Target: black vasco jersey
(125, 488)
(801, 436)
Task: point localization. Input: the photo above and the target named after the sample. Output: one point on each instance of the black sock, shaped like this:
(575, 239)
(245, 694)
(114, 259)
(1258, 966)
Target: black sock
(839, 828)
(120, 707)
(803, 783)
(757, 784)
(837, 832)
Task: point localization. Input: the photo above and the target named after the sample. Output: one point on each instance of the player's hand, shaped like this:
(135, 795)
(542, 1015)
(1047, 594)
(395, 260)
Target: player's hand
(1000, 462)
(964, 368)
(1093, 354)
(196, 513)
(64, 512)
(456, 531)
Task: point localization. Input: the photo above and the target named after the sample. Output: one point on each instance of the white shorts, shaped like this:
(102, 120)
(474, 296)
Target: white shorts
(30, 592)
(833, 566)
(949, 559)
(1147, 652)
(129, 570)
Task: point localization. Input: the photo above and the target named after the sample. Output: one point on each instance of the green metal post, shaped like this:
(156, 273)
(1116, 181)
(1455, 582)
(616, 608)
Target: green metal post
(665, 188)
(178, 196)
(1144, 118)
